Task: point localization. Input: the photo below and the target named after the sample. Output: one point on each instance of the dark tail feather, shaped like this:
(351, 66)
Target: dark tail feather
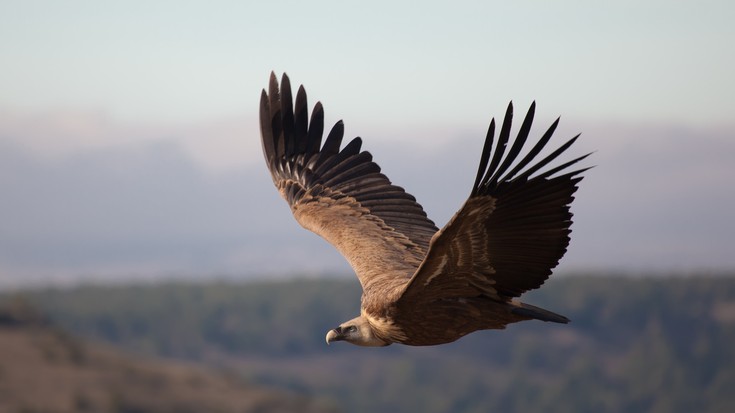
(527, 310)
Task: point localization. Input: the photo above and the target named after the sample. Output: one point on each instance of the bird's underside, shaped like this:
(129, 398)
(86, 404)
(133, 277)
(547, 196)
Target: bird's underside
(422, 285)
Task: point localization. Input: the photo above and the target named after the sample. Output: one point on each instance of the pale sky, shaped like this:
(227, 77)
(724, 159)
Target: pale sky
(129, 142)
(398, 61)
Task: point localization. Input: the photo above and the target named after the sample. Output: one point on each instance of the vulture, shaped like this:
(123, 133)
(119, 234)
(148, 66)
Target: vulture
(422, 285)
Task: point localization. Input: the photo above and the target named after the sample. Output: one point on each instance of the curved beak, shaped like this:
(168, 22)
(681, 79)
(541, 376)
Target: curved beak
(334, 335)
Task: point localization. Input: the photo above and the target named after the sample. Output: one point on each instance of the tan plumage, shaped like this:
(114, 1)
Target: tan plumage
(422, 285)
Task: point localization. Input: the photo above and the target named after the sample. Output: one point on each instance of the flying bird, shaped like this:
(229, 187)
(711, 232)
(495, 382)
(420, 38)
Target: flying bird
(422, 285)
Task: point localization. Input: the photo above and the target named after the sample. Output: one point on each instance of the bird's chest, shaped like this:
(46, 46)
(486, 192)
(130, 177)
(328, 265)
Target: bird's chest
(381, 311)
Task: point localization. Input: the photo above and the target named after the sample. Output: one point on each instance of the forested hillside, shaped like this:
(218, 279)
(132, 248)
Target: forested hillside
(635, 344)
(43, 369)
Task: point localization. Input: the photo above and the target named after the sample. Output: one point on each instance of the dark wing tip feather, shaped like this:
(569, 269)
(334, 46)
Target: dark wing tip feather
(316, 129)
(273, 93)
(287, 116)
(266, 132)
(301, 120)
(334, 139)
(540, 164)
(517, 145)
(485, 157)
(503, 139)
(489, 177)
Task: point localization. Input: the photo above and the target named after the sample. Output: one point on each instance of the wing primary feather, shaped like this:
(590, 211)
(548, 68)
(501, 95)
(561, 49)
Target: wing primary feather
(485, 157)
(265, 128)
(551, 172)
(353, 148)
(334, 140)
(530, 171)
(316, 129)
(287, 116)
(347, 159)
(535, 150)
(273, 94)
(275, 114)
(301, 118)
(333, 165)
(517, 145)
(503, 138)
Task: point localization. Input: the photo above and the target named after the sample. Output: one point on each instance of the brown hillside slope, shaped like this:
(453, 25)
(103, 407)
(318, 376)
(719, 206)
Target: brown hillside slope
(43, 369)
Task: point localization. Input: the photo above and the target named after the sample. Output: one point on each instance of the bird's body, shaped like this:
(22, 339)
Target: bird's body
(422, 285)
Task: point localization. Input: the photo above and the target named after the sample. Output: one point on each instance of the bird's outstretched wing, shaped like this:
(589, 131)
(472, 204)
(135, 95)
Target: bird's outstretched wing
(513, 229)
(340, 194)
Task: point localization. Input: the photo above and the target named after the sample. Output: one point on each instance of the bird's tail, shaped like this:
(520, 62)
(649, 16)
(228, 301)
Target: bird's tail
(528, 310)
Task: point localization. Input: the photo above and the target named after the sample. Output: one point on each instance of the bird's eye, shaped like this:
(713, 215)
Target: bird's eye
(351, 329)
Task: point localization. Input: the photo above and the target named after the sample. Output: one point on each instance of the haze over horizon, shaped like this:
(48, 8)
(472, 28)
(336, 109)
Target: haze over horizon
(129, 143)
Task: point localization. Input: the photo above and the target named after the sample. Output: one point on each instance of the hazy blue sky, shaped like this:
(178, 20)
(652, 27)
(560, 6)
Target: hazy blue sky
(182, 60)
(129, 143)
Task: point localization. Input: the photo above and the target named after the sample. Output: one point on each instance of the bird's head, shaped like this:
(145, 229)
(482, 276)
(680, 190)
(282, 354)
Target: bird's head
(357, 331)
